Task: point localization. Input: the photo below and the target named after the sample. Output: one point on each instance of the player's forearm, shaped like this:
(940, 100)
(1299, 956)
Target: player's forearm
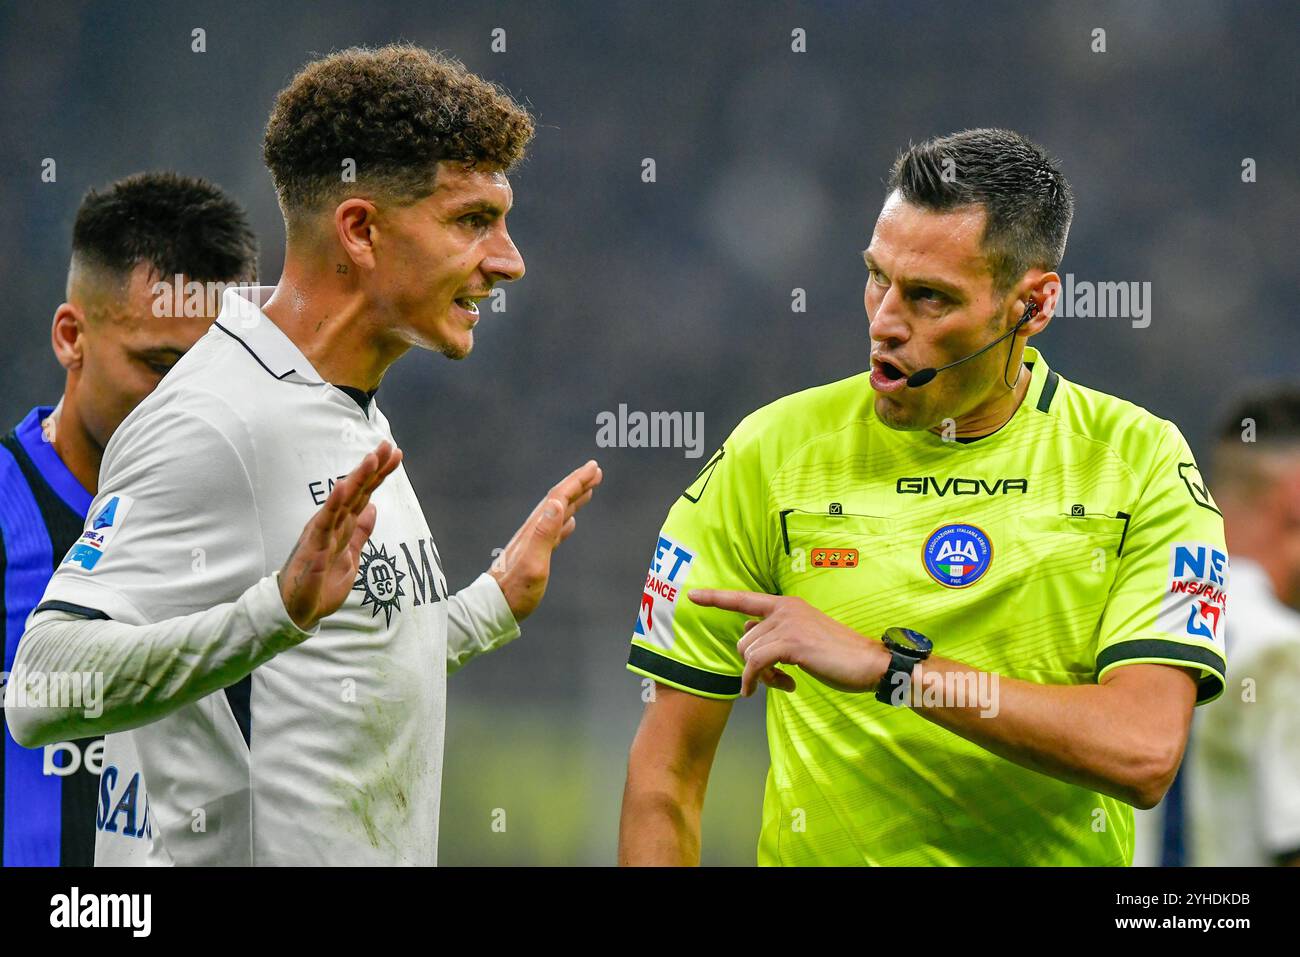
(75, 677)
(658, 829)
(1086, 734)
(478, 621)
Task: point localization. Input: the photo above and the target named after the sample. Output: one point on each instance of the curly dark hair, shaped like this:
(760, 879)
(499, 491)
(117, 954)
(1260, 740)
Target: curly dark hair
(1028, 201)
(396, 112)
(175, 224)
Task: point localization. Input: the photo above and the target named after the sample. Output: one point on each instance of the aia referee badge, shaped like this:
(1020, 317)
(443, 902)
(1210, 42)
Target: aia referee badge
(957, 555)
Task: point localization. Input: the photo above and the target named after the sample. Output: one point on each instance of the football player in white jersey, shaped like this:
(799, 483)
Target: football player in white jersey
(291, 710)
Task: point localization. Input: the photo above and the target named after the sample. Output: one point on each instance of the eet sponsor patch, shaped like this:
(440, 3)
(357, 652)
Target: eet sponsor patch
(89, 548)
(1196, 596)
(663, 585)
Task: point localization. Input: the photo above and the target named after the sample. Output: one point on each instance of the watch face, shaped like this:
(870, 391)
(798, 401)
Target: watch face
(905, 639)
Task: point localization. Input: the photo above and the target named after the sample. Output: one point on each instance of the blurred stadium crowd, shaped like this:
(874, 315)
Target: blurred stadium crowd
(676, 294)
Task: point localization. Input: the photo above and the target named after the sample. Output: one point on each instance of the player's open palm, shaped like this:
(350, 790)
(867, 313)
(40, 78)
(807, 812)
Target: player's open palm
(322, 568)
(524, 566)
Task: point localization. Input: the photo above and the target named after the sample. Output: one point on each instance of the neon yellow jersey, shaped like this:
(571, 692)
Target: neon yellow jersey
(1077, 538)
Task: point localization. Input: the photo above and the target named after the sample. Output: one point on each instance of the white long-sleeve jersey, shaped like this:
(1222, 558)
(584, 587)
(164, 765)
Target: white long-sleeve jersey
(234, 737)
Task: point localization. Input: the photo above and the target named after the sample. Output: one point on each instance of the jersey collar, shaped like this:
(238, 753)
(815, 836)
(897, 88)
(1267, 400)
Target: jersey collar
(243, 320)
(31, 437)
(1042, 382)
(1038, 397)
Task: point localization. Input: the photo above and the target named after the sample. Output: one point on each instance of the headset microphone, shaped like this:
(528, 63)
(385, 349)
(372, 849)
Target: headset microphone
(922, 376)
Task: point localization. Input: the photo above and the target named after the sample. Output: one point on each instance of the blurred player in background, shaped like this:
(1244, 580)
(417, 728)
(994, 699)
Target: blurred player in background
(1043, 560)
(1243, 767)
(117, 335)
(234, 545)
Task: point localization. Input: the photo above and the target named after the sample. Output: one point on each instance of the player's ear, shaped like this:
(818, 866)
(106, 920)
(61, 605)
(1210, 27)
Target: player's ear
(67, 335)
(354, 226)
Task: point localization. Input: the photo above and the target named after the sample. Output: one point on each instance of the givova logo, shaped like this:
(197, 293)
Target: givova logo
(663, 584)
(1197, 593)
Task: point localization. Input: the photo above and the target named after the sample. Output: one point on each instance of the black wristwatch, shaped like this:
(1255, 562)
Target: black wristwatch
(907, 648)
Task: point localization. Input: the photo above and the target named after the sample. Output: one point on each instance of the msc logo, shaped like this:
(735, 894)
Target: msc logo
(924, 485)
(663, 583)
(1194, 601)
(957, 555)
(379, 581)
(380, 578)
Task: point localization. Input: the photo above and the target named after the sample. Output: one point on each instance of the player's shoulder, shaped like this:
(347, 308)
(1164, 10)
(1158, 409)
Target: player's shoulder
(1134, 433)
(778, 429)
(199, 400)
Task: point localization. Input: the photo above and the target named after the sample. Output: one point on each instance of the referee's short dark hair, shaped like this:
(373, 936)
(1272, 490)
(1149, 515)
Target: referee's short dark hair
(1028, 202)
(175, 224)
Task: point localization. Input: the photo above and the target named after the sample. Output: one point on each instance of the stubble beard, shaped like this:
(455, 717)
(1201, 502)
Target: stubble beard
(454, 352)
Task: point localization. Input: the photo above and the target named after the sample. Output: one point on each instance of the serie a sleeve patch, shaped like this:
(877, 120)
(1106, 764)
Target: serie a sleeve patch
(90, 547)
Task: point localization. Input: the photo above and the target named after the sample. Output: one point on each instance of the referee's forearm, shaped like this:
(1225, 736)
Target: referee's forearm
(1090, 735)
(75, 677)
(657, 829)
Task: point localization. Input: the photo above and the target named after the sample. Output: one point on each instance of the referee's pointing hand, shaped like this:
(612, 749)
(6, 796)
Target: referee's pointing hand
(321, 569)
(786, 629)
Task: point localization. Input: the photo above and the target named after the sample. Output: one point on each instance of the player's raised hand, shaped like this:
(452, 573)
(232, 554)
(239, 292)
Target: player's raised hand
(788, 630)
(322, 568)
(524, 567)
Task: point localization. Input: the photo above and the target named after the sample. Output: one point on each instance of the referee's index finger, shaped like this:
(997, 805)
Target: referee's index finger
(745, 602)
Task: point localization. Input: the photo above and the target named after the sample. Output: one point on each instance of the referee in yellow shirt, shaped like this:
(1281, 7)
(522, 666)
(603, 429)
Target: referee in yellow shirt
(1042, 561)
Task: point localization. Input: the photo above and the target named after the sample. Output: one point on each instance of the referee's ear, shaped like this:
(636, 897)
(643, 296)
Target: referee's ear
(1045, 290)
(67, 336)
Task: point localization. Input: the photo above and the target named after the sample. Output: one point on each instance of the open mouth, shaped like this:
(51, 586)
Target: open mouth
(889, 370)
(887, 377)
(469, 304)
